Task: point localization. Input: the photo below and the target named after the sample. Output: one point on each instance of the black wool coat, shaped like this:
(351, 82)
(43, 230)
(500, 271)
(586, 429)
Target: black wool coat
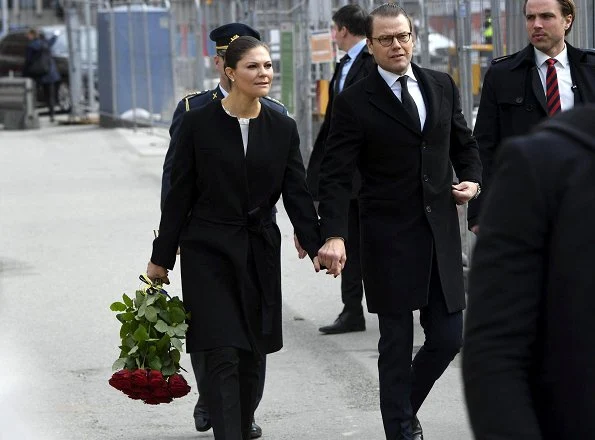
(407, 211)
(362, 66)
(529, 357)
(219, 211)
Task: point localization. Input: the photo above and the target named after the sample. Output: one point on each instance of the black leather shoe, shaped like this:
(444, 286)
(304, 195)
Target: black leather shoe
(255, 430)
(202, 420)
(418, 433)
(346, 322)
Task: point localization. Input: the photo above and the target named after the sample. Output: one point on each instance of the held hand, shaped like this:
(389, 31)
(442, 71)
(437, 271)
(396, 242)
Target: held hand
(155, 272)
(332, 256)
(316, 264)
(475, 229)
(298, 247)
(464, 191)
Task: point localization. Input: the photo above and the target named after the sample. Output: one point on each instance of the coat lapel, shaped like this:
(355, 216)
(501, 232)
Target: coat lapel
(383, 98)
(358, 63)
(538, 88)
(432, 93)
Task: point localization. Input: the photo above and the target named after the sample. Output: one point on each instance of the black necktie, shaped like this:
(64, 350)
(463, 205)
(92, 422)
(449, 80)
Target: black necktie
(344, 59)
(408, 102)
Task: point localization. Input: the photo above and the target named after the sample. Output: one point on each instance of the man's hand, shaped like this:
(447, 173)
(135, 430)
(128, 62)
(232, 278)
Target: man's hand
(332, 256)
(475, 229)
(298, 247)
(464, 191)
(155, 272)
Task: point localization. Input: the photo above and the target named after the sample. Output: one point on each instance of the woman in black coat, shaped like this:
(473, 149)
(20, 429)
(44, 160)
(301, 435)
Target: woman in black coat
(233, 160)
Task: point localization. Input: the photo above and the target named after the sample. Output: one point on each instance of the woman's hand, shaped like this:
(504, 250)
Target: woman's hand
(157, 273)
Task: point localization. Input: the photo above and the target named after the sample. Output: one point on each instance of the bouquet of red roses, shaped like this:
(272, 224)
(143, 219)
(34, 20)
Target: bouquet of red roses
(153, 327)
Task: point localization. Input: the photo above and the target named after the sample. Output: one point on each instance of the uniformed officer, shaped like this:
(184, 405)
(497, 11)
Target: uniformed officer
(222, 36)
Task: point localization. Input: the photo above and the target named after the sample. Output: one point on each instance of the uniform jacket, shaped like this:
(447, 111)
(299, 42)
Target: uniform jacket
(362, 66)
(513, 101)
(197, 100)
(529, 357)
(407, 211)
(218, 210)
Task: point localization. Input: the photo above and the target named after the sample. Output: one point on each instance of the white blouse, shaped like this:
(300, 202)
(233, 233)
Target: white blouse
(244, 126)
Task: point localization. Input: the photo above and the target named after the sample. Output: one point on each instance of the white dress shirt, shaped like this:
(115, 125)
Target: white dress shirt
(353, 53)
(413, 87)
(562, 66)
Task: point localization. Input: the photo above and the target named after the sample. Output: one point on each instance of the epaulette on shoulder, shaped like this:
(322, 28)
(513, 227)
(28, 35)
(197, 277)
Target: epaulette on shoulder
(190, 96)
(274, 100)
(502, 58)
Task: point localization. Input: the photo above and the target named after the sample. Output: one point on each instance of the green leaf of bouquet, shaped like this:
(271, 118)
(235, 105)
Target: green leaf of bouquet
(163, 343)
(177, 315)
(124, 330)
(176, 343)
(161, 326)
(139, 298)
(118, 307)
(133, 350)
(151, 299)
(151, 314)
(168, 370)
(141, 334)
(130, 363)
(129, 341)
(155, 363)
(141, 310)
(127, 300)
(120, 364)
(180, 329)
(128, 316)
(164, 314)
(175, 355)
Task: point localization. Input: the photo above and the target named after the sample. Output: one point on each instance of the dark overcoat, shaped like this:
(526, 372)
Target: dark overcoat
(513, 101)
(362, 66)
(218, 210)
(189, 102)
(529, 357)
(407, 211)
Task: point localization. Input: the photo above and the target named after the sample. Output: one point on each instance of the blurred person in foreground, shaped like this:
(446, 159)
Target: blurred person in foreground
(520, 90)
(402, 127)
(234, 158)
(221, 36)
(349, 31)
(529, 356)
(41, 66)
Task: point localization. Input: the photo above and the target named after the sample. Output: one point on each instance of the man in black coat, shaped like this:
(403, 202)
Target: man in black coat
(403, 128)
(529, 357)
(515, 98)
(222, 36)
(349, 27)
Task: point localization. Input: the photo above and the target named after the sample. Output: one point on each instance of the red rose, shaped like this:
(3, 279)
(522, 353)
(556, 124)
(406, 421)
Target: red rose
(178, 386)
(156, 380)
(139, 380)
(157, 400)
(121, 380)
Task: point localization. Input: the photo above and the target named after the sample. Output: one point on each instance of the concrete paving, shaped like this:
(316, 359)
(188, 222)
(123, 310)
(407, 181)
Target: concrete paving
(77, 208)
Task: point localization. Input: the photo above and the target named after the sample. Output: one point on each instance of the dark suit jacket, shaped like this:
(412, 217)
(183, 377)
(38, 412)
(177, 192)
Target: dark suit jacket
(189, 102)
(513, 101)
(529, 356)
(218, 210)
(407, 211)
(362, 66)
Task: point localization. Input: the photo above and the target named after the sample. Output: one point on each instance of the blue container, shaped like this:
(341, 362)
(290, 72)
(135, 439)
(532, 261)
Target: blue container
(135, 63)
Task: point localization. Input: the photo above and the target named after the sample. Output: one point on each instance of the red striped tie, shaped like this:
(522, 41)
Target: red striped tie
(551, 84)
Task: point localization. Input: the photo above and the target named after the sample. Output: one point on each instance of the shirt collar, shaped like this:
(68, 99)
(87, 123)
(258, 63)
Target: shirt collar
(391, 77)
(223, 92)
(356, 49)
(562, 57)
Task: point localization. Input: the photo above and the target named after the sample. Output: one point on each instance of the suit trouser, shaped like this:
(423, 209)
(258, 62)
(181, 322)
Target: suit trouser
(49, 91)
(352, 290)
(404, 384)
(199, 367)
(231, 386)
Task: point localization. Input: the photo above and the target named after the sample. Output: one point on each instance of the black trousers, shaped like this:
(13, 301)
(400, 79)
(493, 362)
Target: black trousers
(231, 388)
(404, 384)
(352, 289)
(199, 367)
(49, 92)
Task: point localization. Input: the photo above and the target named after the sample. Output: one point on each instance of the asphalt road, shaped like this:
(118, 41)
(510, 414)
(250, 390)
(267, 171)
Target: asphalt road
(77, 208)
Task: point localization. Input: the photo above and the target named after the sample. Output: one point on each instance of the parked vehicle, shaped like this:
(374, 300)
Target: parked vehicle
(12, 59)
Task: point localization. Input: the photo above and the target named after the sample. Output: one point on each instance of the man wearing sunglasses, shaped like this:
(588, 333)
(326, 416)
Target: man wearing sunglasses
(222, 36)
(402, 127)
